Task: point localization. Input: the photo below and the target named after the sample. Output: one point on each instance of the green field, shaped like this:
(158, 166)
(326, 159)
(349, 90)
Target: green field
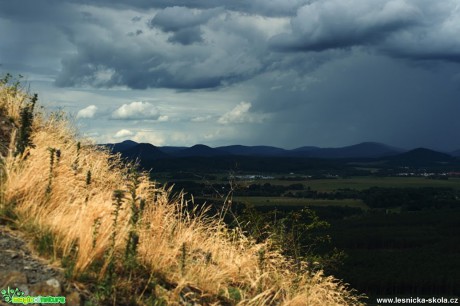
(285, 201)
(365, 182)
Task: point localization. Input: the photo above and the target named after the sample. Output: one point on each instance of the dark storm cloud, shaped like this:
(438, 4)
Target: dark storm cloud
(328, 72)
(187, 36)
(183, 23)
(174, 19)
(145, 68)
(412, 29)
(258, 7)
(199, 44)
(333, 24)
(366, 97)
(165, 55)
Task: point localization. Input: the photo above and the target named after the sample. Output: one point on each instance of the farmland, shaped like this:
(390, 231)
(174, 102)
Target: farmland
(392, 229)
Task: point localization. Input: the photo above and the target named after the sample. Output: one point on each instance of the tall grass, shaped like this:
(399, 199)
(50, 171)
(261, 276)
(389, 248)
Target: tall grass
(187, 250)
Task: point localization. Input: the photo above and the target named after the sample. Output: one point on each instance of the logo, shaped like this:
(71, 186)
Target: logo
(16, 296)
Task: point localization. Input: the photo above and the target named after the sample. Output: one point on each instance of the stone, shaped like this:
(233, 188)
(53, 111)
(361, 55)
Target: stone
(51, 287)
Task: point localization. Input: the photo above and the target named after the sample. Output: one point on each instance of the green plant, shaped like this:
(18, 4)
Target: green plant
(107, 284)
(95, 232)
(133, 236)
(26, 118)
(118, 196)
(234, 293)
(261, 259)
(183, 258)
(88, 183)
(44, 242)
(76, 162)
(52, 152)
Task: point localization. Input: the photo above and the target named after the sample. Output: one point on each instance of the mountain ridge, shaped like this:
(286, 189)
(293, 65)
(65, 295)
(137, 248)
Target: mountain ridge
(360, 150)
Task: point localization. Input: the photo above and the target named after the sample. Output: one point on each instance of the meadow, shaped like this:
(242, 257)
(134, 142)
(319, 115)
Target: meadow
(391, 250)
(127, 240)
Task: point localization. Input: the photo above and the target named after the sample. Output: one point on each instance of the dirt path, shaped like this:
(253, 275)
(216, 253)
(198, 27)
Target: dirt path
(21, 269)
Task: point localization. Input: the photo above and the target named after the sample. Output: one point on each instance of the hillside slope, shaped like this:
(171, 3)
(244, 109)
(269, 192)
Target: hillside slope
(111, 226)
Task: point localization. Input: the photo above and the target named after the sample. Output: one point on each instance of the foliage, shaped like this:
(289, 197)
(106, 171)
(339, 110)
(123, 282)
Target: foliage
(300, 234)
(25, 126)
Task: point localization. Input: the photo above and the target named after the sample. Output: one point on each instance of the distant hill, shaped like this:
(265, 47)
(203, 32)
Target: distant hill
(121, 146)
(422, 156)
(455, 153)
(145, 152)
(272, 159)
(361, 150)
(171, 150)
(306, 149)
(199, 150)
(253, 150)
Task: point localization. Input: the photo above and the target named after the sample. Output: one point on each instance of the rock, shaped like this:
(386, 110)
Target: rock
(50, 287)
(15, 255)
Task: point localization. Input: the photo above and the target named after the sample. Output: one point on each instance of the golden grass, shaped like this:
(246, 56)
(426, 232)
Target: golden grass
(186, 249)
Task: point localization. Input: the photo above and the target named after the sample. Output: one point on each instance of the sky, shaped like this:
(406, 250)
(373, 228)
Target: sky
(286, 73)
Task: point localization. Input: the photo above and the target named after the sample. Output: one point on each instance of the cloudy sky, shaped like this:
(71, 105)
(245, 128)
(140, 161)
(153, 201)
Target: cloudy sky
(275, 72)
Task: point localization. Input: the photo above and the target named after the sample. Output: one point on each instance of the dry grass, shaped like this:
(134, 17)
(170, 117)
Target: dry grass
(187, 250)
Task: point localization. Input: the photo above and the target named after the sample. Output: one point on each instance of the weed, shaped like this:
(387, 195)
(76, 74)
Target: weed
(25, 126)
(44, 242)
(95, 232)
(183, 258)
(76, 162)
(234, 293)
(52, 152)
(88, 183)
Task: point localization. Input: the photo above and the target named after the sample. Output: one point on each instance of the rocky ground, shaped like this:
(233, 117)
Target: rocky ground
(21, 268)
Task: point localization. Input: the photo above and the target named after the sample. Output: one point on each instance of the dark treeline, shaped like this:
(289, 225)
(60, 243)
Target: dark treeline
(375, 197)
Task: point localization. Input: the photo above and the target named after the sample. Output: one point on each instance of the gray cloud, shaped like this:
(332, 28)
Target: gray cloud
(173, 19)
(184, 23)
(323, 72)
(257, 7)
(333, 24)
(412, 29)
(365, 97)
(187, 36)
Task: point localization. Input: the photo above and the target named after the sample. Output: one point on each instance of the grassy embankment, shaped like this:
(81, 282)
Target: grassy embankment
(111, 226)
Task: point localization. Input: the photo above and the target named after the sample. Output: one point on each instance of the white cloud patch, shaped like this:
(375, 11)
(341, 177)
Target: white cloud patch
(137, 111)
(240, 114)
(150, 136)
(163, 118)
(123, 133)
(87, 112)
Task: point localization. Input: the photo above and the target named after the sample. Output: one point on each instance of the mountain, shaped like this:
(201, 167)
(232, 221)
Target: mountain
(455, 153)
(171, 150)
(121, 146)
(306, 149)
(253, 150)
(201, 151)
(361, 150)
(144, 152)
(422, 156)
